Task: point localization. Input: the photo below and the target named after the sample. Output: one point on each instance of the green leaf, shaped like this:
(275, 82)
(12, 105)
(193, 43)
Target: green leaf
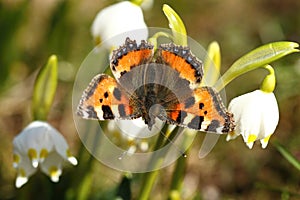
(44, 89)
(176, 25)
(84, 189)
(287, 155)
(258, 57)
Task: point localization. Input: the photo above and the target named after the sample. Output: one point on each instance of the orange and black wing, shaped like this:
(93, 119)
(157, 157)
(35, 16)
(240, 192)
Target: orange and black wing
(105, 99)
(203, 111)
(129, 56)
(181, 59)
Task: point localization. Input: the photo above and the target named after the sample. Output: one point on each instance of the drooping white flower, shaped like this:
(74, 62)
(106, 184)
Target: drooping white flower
(116, 19)
(39, 144)
(256, 115)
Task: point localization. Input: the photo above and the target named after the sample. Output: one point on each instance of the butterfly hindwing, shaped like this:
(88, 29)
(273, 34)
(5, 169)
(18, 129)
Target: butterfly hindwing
(104, 99)
(203, 111)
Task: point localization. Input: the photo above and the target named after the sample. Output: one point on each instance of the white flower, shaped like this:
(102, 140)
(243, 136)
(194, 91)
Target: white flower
(116, 19)
(40, 144)
(256, 115)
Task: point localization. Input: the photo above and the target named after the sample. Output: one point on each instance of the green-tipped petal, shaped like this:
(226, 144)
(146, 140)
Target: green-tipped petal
(44, 89)
(258, 57)
(176, 25)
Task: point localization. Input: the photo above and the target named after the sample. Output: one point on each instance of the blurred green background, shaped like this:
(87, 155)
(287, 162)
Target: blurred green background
(30, 31)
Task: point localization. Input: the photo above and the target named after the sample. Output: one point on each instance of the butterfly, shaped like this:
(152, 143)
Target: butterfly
(150, 84)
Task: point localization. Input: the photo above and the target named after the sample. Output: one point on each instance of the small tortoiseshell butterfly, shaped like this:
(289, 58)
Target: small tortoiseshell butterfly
(162, 84)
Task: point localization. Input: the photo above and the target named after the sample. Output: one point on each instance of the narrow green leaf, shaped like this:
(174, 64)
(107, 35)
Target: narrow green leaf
(258, 57)
(44, 89)
(156, 160)
(84, 189)
(287, 155)
(176, 25)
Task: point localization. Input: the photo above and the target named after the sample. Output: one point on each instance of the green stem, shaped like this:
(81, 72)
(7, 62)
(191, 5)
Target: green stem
(177, 178)
(154, 38)
(81, 183)
(147, 186)
(150, 177)
(287, 155)
(178, 174)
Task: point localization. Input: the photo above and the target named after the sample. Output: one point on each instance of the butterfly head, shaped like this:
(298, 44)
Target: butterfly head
(155, 111)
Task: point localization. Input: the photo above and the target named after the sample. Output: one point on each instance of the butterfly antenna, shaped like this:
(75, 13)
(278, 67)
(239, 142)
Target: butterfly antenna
(122, 155)
(171, 141)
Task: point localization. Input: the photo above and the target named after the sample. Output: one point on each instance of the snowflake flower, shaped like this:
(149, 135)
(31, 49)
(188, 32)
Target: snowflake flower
(117, 19)
(39, 144)
(256, 115)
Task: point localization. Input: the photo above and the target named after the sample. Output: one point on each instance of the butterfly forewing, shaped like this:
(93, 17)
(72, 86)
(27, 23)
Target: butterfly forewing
(105, 99)
(183, 61)
(130, 55)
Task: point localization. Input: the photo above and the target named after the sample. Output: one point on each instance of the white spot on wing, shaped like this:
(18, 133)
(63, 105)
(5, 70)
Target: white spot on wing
(188, 118)
(99, 112)
(115, 110)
